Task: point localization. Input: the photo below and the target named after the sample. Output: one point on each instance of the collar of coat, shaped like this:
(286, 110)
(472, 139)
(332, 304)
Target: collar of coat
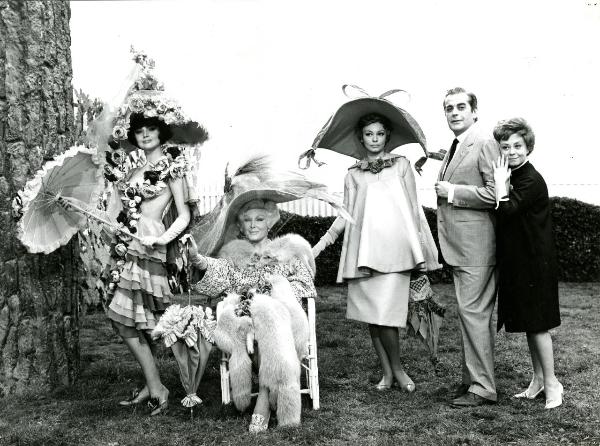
(378, 164)
(284, 249)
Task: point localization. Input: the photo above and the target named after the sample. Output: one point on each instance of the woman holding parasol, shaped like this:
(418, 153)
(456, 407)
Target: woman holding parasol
(150, 201)
(151, 197)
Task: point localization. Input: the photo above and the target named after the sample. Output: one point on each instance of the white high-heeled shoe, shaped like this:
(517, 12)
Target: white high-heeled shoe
(552, 403)
(529, 393)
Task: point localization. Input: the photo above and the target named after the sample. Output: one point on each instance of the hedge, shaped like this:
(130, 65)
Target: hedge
(576, 229)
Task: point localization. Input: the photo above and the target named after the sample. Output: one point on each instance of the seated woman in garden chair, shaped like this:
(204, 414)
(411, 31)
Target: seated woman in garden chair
(265, 281)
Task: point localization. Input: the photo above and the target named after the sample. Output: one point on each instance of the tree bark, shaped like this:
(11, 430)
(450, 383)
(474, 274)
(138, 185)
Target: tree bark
(39, 312)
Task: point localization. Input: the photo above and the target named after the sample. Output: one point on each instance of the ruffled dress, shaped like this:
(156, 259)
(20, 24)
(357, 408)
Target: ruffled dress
(139, 289)
(143, 289)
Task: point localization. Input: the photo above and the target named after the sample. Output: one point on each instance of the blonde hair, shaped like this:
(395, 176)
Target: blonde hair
(270, 208)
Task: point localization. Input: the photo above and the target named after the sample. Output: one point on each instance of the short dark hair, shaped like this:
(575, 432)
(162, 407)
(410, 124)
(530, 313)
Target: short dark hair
(504, 129)
(369, 119)
(138, 120)
(472, 99)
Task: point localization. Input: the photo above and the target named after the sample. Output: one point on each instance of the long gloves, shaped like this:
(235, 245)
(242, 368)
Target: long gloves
(173, 232)
(325, 241)
(336, 228)
(169, 235)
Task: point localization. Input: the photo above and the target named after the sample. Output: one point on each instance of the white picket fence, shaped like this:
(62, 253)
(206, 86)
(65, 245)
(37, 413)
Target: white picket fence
(211, 194)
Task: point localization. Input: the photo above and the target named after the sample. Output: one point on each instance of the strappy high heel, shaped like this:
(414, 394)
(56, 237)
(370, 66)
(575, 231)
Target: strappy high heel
(158, 407)
(135, 398)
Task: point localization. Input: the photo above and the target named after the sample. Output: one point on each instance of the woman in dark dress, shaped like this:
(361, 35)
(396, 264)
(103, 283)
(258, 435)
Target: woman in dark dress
(528, 288)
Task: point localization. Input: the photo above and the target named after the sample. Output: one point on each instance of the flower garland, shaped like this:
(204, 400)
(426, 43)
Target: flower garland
(172, 165)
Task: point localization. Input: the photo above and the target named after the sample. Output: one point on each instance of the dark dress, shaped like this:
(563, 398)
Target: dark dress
(526, 256)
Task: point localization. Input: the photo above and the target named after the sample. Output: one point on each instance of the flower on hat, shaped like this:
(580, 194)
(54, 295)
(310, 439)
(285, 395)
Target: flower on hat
(119, 132)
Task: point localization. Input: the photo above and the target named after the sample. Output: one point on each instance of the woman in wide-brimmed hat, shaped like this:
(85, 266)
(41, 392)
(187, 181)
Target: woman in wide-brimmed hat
(390, 238)
(266, 281)
(150, 200)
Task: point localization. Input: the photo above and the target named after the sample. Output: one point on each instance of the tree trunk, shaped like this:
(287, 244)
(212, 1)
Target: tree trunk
(39, 313)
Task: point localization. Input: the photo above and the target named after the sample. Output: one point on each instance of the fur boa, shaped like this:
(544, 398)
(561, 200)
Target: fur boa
(278, 323)
(279, 250)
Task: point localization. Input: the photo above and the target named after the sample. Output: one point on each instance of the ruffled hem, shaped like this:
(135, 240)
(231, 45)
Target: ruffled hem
(143, 291)
(146, 276)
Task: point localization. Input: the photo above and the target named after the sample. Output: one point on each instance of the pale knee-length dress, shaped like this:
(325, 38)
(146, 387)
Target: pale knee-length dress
(388, 240)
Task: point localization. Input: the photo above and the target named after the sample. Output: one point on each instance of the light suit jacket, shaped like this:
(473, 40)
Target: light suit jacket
(466, 228)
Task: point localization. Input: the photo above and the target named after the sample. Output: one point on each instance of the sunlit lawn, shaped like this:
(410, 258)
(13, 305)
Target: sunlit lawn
(351, 411)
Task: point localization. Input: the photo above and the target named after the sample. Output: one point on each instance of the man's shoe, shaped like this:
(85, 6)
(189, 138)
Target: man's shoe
(460, 390)
(470, 400)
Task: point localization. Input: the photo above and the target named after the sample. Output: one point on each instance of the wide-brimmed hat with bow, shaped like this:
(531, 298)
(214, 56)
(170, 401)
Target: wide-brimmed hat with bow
(338, 133)
(256, 179)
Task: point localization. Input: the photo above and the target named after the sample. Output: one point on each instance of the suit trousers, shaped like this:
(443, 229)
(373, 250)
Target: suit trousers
(476, 288)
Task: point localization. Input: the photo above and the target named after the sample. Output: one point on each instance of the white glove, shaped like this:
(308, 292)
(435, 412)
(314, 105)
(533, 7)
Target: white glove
(325, 241)
(501, 180)
(174, 230)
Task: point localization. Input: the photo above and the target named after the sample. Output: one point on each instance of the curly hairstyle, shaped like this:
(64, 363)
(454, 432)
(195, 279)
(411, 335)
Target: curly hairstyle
(270, 208)
(504, 129)
(369, 119)
(138, 120)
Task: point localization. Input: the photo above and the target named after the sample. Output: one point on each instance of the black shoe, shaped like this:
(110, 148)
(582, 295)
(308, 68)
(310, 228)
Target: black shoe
(470, 400)
(158, 407)
(460, 390)
(137, 397)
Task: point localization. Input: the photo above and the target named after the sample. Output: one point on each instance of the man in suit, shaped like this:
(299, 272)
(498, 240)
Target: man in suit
(465, 190)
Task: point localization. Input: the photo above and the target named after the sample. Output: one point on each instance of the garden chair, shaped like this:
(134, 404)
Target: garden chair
(308, 363)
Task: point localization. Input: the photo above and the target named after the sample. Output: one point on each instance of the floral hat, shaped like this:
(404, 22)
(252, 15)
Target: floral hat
(255, 180)
(147, 97)
(338, 132)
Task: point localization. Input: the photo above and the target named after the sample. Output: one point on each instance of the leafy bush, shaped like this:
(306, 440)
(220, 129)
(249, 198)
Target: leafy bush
(577, 236)
(576, 229)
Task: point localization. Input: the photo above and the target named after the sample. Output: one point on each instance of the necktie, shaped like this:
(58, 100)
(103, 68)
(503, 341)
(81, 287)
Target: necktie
(451, 154)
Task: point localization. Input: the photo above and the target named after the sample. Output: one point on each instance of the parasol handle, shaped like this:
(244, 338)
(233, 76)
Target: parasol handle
(94, 216)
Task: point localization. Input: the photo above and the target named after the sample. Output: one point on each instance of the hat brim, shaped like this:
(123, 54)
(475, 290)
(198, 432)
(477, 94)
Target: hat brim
(224, 229)
(338, 133)
(191, 133)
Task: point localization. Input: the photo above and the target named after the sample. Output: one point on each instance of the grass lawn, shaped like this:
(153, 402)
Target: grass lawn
(352, 412)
